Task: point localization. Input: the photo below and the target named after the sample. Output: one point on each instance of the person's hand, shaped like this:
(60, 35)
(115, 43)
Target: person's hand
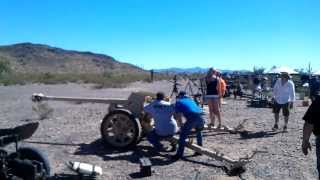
(148, 99)
(305, 147)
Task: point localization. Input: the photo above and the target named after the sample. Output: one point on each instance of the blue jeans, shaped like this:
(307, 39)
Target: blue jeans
(154, 139)
(196, 122)
(318, 153)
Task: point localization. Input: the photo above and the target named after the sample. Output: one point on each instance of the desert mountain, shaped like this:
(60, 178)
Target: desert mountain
(28, 57)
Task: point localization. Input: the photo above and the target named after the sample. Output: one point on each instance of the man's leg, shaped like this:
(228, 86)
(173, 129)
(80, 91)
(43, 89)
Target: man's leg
(276, 120)
(153, 138)
(185, 131)
(199, 127)
(286, 120)
(276, 111)
(211, 113)
(199, 137)
(199, 140)
(216, 111)
(286, 112)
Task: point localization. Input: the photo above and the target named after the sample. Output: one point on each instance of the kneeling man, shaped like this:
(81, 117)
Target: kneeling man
(165, 125)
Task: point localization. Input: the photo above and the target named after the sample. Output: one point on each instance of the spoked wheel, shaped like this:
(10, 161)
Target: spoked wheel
(120, 129)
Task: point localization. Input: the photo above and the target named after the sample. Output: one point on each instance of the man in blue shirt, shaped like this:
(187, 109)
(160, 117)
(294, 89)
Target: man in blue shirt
(191, 111)
(164, 123)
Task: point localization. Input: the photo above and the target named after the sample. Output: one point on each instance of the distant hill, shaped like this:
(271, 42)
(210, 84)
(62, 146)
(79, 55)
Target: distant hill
(192, 70)
(28, 57)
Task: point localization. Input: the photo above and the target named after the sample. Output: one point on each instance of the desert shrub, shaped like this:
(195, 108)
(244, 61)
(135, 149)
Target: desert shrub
(103, 80)
(4, 66)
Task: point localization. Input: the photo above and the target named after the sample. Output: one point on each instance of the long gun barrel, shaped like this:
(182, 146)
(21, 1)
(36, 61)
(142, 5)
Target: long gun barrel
(38, 97)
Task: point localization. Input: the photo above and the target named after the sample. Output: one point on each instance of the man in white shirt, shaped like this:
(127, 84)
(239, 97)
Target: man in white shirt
(284, 96)
(165, 125)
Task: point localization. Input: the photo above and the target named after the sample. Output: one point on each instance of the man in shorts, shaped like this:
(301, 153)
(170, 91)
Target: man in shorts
(284, 96)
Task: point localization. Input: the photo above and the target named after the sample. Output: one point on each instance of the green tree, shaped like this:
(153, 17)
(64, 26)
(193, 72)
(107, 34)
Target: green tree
(258, 70)
(300, 71)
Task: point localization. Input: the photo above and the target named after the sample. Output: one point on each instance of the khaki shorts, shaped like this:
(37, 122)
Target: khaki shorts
(284, 107)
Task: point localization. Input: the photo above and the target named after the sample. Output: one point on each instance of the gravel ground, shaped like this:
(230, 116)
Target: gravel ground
(72, 133)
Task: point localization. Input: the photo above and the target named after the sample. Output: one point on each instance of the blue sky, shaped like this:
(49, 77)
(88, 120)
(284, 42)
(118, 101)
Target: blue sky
(225, 34)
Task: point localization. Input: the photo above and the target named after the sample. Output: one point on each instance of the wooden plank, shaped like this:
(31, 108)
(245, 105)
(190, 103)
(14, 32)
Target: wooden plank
(214, 154)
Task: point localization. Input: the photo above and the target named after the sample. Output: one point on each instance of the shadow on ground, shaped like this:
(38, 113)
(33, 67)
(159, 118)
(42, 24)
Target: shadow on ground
(229, 170)
(72, 177)
(98, 148)
(259, 134)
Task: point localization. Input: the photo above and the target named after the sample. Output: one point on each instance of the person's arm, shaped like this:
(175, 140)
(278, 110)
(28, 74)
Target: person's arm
(307, 130)
(275, 89)
(219, 87)
(293, 93)
(223, 87)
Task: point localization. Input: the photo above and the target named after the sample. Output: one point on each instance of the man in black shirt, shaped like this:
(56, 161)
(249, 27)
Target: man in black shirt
(312, 124)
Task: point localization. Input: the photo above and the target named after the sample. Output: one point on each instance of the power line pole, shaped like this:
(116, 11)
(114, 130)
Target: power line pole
(309, 69)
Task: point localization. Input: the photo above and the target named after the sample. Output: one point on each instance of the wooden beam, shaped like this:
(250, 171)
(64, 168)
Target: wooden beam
(214, 154)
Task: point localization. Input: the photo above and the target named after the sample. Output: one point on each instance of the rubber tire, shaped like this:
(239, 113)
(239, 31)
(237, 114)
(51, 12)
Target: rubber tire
(137, 126)
(35, 154)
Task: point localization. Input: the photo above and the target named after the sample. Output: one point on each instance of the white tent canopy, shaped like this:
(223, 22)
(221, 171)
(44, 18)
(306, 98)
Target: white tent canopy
(316, 72)
(279, 70)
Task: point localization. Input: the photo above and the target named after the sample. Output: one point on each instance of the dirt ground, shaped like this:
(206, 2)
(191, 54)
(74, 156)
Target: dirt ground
(72, 133)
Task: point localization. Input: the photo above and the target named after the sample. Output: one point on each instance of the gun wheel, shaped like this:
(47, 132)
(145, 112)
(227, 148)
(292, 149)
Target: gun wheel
(120, 129)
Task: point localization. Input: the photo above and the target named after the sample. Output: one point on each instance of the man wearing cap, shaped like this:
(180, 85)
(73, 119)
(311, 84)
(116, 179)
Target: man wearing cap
(165, 125)
(284, 96)
(188, 108)
(312, 124)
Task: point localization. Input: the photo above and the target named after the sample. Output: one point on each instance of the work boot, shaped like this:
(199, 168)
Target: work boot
(175, 157)
(285, 129)
(210, 126)
(275, 127)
